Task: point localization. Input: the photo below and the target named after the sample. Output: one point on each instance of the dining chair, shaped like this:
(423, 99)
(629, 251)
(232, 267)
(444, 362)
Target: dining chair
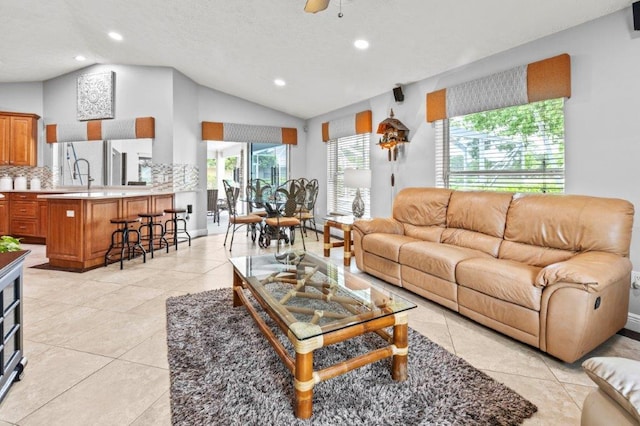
(308, 207)
(212, 205)
(258, 190)
(289, 195)
(238, 221)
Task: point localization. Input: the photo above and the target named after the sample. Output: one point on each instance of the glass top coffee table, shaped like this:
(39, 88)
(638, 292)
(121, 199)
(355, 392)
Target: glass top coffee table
(316, 304)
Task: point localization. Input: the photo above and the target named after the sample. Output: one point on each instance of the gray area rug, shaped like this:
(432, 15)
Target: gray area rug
(223, 371)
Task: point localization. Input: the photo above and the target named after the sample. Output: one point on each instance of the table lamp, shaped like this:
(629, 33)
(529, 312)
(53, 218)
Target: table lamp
(354, 178)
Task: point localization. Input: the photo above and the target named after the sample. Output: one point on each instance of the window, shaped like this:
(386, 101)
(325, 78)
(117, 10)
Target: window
(519, 149)
(351, 152)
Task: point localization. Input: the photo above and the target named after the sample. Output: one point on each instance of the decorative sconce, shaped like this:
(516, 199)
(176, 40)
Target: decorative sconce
(393, 133)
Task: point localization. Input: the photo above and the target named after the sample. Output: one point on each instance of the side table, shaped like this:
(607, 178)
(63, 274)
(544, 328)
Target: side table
(344, 222)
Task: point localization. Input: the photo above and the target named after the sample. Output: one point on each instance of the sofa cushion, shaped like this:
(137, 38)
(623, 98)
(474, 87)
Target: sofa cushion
(472, 239)
(571, 222)
(479, 211)
(619, 378)
(436, 259)
(503, 279)
(426, 233)
(422, 206)
(532, 255)
(385, 245)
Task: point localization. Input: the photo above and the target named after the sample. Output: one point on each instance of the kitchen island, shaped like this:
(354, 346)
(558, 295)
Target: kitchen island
(79, 229)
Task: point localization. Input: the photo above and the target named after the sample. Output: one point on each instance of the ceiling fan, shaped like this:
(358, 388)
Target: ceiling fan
(315, 6)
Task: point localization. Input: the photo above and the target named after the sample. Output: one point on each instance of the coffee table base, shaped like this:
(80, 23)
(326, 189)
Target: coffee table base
(301, 366)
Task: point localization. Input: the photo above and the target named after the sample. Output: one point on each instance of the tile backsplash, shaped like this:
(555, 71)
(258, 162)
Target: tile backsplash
(43, 173)
(174, 177)
(169, 177)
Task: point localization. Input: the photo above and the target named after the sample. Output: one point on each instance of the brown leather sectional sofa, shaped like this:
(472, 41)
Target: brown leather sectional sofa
(552, 271)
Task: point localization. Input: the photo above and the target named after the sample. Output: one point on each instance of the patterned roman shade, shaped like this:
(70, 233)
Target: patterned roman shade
(537, 81)
(234, 132)
(96, 130)
(354, 124)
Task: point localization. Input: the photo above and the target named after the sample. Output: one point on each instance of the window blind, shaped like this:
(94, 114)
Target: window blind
(350, 152)
(518, 149)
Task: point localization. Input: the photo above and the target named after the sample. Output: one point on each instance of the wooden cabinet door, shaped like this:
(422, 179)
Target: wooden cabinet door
(161, 202)
(43, 219)
(5, 138)
(132, 206)
(23, 141)
(65, 240)
(4, 217)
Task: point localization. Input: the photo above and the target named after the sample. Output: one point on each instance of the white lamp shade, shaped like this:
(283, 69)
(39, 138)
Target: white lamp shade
(355, 178)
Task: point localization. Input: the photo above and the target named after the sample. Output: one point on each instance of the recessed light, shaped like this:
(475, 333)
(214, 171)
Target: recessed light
(115, 36)
(279, 82)
(361, 44)
(80, 58)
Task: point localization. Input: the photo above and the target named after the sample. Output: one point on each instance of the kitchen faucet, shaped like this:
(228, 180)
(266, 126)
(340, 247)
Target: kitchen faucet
(76, 172)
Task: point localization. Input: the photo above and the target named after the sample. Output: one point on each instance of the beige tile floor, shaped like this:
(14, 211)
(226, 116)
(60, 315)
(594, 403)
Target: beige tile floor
(96, 342)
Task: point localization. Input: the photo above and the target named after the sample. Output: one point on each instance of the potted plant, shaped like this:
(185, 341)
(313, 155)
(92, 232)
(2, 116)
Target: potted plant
(8, 243)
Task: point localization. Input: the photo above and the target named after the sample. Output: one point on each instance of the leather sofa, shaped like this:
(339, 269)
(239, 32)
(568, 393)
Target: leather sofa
(616, 400)
(551, 271)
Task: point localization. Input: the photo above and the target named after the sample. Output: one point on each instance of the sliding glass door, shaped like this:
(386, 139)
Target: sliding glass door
(269, 162)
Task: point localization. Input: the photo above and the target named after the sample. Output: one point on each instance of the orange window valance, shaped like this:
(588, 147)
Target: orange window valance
(234, 132)
(537, 81)
(354, 124)
(97, 130)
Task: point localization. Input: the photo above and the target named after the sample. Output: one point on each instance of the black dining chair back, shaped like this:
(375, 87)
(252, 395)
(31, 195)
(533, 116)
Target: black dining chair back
(212, 205)
(236, 221)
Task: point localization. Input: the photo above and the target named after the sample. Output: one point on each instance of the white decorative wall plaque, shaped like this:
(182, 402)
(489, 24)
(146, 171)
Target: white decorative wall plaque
(95, 96)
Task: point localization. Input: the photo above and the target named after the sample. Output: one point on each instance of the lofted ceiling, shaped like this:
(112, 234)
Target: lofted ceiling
(241, 46)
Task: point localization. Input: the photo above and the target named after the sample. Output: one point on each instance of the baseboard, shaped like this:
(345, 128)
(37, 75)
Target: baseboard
(195, 233)
(633, 322)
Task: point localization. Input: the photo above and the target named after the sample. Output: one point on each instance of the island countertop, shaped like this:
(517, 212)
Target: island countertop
(102, 195)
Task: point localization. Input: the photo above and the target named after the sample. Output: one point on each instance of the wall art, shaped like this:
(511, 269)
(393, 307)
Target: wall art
(96, 96)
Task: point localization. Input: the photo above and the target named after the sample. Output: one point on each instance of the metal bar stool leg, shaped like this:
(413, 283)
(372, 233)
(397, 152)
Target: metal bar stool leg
(121, 239)
(151, 226)
(175, 230)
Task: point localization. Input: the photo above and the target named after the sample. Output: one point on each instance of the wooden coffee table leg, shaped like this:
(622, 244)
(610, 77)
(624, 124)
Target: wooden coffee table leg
(237, 286)
(304, 385)
(347, 245)
(401, 342)
(327, 240)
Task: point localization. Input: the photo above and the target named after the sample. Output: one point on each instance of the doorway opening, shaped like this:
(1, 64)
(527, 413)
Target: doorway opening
(240, 162)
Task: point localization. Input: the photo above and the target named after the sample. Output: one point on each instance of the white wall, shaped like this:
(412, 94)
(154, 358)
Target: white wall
(188, 149)
(221, 107)
(139, 92)
(602, 134)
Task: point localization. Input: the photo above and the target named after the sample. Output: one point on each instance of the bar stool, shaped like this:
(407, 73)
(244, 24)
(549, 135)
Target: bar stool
(174, 231)
(155, 231)
(124, 242)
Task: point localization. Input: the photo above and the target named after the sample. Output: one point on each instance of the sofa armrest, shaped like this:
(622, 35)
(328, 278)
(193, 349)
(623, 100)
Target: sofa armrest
(619, 378)
(595, 269)
(378, 224)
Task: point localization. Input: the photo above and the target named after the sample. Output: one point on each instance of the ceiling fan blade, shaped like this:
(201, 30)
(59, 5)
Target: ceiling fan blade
(315, 6)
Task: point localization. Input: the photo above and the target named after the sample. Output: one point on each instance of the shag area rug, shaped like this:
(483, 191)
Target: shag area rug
(223, 371)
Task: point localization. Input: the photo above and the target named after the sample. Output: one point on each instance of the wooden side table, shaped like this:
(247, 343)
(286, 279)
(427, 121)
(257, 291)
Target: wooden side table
(344, 222)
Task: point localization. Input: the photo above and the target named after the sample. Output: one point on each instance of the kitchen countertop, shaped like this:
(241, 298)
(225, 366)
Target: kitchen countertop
(43, 190)
(100, 195)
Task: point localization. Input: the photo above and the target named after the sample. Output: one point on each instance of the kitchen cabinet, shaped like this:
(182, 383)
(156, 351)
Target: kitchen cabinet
(27, 216)
(4, 215)
(82, 231)
(18, 139)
